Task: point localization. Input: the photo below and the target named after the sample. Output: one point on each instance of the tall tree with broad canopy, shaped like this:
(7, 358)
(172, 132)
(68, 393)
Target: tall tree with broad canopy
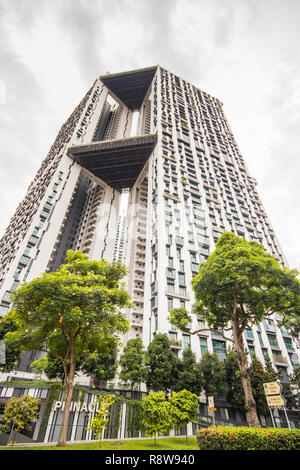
(66, 313)
(238, 286)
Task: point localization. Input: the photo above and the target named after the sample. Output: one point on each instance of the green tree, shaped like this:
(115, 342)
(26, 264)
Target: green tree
(234, 389)
(287, 387)
(160, 364)
(156, 414)
(258, 377)
(12, 351)
(184, 408)
(239, 285)
(101, 364)
(39, 365)
(99, 422)
(66, 314)
(132, 362)
(54, 368)
(18, 415)
(297, 375)
(295, 382)
(188, 376)
(212, 375)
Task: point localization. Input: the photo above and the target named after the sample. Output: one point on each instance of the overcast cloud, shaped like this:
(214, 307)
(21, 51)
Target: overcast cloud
(245, 52)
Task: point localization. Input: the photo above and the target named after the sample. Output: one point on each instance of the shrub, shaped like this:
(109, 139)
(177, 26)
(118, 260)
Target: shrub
(234, 438)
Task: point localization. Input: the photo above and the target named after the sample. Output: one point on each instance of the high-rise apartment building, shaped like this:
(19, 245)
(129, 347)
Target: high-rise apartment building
(169, 145)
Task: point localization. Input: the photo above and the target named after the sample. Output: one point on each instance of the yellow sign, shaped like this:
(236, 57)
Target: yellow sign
(212, 409)
(272, 388)
(275, 400)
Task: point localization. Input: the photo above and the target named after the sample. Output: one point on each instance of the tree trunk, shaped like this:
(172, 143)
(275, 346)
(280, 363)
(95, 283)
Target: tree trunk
(68, 398)
(250, 405)
(12, 435)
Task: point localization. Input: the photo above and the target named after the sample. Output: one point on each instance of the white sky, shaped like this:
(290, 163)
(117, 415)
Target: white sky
(245, 52)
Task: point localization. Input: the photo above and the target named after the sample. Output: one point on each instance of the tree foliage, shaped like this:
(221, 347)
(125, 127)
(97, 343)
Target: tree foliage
(39, 365)
(238, 286)
(101, 364)
(156, 414)
(12, 351)
(212, 375)
(188, 374)
(234, 390)
(184, 408)
(19, 414)
(132, 362)
(99, 422)
(66, 313)
(160, 364)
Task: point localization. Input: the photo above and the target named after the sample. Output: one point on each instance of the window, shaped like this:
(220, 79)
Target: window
(203, 344)
(17, 272)
(288, 343)
(44, 215)
(170, 287)
(269, 325)
(171, 273)
(265, 353)
(186, 341)
(251, 350)
(47, 207)
(273, 340)
(170, 303)
(260, 338)
(24, 260)
(3, 310)
(249, 333)
(191, 237)
(181, 279)
(14, 286)
(6, 297)
(33, 240)
(172, 336)
(219, 347)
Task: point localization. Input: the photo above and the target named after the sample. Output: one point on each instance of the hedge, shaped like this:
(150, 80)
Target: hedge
(243, 438)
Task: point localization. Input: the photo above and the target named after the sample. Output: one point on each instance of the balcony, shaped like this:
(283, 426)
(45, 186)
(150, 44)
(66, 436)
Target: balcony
(179, 240)
(269, 326)
(171, 273)
(175, 344)
(180, 293)
(279, 359)
(136, 322)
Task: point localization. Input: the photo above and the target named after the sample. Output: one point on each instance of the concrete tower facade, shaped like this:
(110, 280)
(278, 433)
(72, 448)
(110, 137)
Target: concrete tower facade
(169, 145)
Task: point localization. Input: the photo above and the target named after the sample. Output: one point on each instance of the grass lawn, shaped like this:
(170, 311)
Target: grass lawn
(166, 443)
